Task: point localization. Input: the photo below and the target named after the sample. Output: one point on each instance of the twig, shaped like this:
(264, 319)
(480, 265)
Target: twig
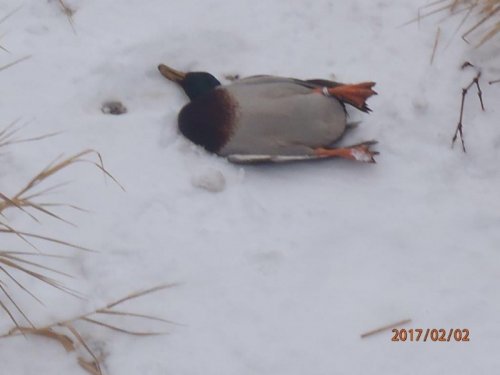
(495, 81)
(475, 81)
(385, 328)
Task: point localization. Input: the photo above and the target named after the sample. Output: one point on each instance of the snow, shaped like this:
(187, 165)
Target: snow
(280, 268)
(210, 180)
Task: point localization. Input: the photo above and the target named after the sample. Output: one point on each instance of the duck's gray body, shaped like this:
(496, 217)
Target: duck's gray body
(281, 117)
(268, 118)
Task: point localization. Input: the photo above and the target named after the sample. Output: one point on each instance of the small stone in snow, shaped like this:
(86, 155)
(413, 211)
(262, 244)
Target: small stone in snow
(212, 180)
(113, 108)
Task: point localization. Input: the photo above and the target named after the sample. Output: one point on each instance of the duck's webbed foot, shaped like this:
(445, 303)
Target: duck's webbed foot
(358, 152)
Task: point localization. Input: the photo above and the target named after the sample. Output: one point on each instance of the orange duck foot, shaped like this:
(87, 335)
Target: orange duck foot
(359, 152)
(355, 94)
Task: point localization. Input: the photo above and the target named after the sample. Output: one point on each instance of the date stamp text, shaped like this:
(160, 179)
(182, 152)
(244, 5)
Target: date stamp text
(431, 334)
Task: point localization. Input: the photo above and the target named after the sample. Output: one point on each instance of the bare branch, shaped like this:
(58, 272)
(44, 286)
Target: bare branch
(475, 81)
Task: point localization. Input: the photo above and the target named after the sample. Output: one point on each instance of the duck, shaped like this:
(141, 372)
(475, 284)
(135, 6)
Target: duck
(267, 118)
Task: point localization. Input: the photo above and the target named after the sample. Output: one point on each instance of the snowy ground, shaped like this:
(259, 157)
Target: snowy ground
(283, 270)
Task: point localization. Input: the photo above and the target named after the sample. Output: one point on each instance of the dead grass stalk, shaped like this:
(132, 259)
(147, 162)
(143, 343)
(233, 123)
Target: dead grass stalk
(72, 340)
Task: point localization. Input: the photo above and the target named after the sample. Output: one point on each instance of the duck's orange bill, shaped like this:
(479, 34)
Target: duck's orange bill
(171, 74)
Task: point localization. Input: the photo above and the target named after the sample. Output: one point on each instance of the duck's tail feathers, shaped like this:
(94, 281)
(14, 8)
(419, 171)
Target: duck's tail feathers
(353, 94)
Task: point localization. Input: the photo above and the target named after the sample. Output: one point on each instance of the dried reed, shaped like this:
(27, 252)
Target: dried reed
(478, 16)
(14, 263)
(66, 334)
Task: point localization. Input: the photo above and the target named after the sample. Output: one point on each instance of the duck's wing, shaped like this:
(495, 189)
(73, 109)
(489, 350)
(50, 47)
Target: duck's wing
(318, 82)
(353, 94)
(309, 83)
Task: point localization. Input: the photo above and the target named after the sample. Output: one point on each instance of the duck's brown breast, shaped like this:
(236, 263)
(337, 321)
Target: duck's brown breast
(209, 120)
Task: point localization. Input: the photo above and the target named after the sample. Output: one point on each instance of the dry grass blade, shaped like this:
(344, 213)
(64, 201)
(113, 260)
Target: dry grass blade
(462, 22)
(13, 203)
(8, 133)
(489, 10)
(23, 200)
(20, 204)
(420, 16)
(14, 63)
(385, 328)
(66, 9)
(493, 31)
(4, 18)
(10, 14)
(20, 285)
(66, 342)
(47, 190)
(16, 306)
(9, 229)
(43, 278)
(123, 313)
(100, 165)
(4, 143)
(63, 339)
(6, 309)
(122, 330)
(480, 14)
(16, 258)
(26, 253)
(24, 235)
(24, 197)
(139, 294)
(84, 344)
(92, 366)
(107, 310)
(438, 34)
(55, 167)
(69, 13)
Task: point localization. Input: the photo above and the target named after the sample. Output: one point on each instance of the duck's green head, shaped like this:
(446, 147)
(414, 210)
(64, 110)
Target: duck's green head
(194, 84)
